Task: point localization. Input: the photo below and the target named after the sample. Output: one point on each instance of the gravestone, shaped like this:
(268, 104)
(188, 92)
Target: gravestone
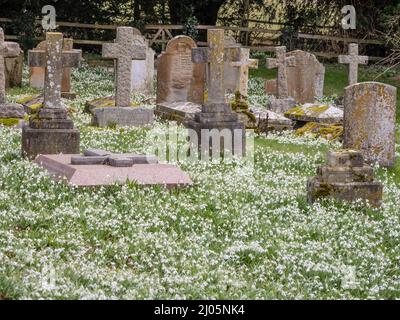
(282, 62)
(243, 64)
(123, 50)
(10, 113)
(216, 114)
(231, 73)
(49, 130)
(103, 168)
(353, 60)
(370, 121)
(180, 82)
(37, 74)
(143, 75)
(14, 71)
(345, 177)
(305, 79)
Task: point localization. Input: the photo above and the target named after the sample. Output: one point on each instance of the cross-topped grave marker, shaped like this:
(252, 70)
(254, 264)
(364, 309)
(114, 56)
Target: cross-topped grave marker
(50, 131)
(54, 60)
(282, 62)
(7, 50)
(124, 50)
(213, 57)
(353, 60)
(244, 64)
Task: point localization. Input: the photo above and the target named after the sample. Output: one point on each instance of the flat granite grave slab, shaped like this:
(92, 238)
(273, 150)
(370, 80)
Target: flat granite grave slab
(60, 167)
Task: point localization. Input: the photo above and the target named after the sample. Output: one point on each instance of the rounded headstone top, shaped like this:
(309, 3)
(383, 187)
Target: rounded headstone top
(173, 43)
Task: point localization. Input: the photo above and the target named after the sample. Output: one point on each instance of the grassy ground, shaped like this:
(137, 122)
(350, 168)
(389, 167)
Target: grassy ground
(243, 231)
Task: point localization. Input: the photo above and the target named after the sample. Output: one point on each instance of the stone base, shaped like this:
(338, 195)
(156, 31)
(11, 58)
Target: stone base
(60, 167)
(122, 117)
(349, 192)
(281, 106)
(49, 141)
(181, 112)
(202, 130)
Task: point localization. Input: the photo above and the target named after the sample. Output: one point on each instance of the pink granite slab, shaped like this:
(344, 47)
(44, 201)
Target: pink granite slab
(59, 166)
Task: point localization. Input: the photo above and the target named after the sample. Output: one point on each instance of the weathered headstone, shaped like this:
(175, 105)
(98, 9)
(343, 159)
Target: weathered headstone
(243, 66)
(306, 78)
(231, 73)
(345, 177)
(180, 82)
(143, 75)
(50, 131)
(123, 50)
(370, 121)
(216, 113)
(37, 74)
(14, 69)
(353, 60)
(8, 111)
(282, 62)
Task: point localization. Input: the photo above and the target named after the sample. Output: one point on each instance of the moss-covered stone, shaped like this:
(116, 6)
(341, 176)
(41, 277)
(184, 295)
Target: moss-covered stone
(9, 122)
(329, 132)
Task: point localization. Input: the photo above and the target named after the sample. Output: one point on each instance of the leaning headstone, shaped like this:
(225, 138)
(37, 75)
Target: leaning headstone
(370, 121)
(345, 177)
(14, 70)
(37, 74)
(282, 62)
(216, 114)
(180, 82)
(306, 79)
(123, 50)
(50, 131)
(353, 60)
(10, 113)
(143, 75)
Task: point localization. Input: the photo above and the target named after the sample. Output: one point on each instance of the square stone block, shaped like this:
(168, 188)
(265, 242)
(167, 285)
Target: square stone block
(122, 116)
(51, 124)
(345, 158)
(49, 141)
(346, 175)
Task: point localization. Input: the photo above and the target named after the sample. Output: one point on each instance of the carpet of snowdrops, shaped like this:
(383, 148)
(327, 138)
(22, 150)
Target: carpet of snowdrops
(241, 232)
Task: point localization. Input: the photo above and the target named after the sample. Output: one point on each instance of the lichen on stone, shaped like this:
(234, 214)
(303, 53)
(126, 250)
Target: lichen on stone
(9, 122)
(330, 132)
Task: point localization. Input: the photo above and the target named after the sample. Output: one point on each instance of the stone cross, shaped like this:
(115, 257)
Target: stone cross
(7, 50)
(353, 60)
(54, 59)
(244, 64)
(213, 57)
(101, 157)
(281, 62)
(124, 51)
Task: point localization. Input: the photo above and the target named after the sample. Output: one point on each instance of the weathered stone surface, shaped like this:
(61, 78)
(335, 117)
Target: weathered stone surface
(281, 106)
(216, 113)
(353, 60)
(243, 65)
(331, 132)
(178, 78)
(124, 50)
(7, 50)
(143, 70)
(49, 141)
(282, 63)
(14, 68)
(320, 113)
(60, 167)
(271, 87)
(12, 110)
(122, 116)
(267, 120)
(54, 59)
(180, 112)
(305, 78)
(51, 124)
(370, 121)
(349, 182)
(136, 158)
